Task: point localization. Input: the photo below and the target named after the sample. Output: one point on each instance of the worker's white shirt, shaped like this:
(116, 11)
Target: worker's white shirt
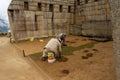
(60, 35)
(54, 45)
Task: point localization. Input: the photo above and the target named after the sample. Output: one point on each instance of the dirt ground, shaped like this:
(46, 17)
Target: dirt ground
(99, 66)
(15, 67)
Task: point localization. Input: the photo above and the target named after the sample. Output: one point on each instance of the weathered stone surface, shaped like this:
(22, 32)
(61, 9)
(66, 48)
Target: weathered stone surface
(115, 11)
(37, 18)
(97, 28)
(94, 17)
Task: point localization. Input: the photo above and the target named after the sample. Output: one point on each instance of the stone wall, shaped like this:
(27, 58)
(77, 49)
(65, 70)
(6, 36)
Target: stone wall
(93, 18)
(39, 18)
(97, 28)
(115, 11)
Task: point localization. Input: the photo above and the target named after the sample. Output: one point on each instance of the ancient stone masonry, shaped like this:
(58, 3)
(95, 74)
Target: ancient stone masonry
(43, 18)
(39, 18)
(115, 11)
(92, 18)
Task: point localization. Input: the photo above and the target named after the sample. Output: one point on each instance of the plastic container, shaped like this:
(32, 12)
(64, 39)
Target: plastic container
(51, 58)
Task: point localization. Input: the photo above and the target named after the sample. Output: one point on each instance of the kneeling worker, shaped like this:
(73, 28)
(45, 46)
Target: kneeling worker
(54, 46)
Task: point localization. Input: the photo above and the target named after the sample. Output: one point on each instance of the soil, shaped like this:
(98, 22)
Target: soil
(31, 47)
(62, 59)
(99, 64)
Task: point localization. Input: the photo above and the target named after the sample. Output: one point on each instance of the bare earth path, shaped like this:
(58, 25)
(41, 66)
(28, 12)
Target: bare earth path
(15, 67)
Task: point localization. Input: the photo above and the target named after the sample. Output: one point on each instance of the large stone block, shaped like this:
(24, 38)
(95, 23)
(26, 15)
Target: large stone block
(47, 15)
(34, 8)
(58, 15)
(97, 28)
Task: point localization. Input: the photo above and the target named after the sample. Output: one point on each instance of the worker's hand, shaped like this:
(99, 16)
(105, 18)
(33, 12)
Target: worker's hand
(64, 44)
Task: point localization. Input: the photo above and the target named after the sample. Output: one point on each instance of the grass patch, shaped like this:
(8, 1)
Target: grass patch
(36, 56)
(67, 50)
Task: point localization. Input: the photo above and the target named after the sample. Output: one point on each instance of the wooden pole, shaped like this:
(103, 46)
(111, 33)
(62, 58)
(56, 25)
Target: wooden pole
(24, 54)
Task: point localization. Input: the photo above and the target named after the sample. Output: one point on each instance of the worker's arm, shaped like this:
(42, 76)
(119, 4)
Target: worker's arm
(59, 54)
(64, 42)
(59, 50)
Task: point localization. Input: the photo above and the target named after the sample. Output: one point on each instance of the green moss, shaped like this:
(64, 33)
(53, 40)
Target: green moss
(67, 50)
(36, 56)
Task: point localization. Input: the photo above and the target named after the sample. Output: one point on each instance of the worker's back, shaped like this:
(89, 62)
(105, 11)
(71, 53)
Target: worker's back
(53, 45)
